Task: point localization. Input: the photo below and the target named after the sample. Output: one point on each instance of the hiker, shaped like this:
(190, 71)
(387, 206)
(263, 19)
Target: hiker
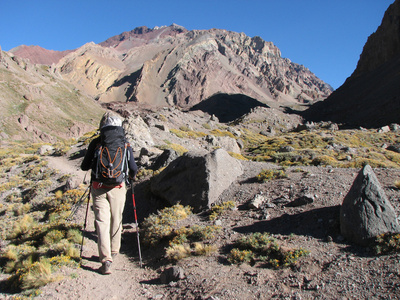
(108, 187)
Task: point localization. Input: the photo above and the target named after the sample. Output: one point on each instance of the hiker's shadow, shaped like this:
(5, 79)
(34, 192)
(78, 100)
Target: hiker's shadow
(79, 154)
(91, 235)
(155, 281)
(85, 267)
(146, 203)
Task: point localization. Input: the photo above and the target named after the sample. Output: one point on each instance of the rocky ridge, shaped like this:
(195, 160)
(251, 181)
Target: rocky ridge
(169, 65)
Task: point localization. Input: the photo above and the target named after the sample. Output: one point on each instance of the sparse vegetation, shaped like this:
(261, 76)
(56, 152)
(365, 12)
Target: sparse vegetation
(185, 132)
(269, 174)
(38, 239)
(183, 241)
(159, 227)
(176, 147)
(261, 247)
(387, 243)
(219, 209)
(343, 148)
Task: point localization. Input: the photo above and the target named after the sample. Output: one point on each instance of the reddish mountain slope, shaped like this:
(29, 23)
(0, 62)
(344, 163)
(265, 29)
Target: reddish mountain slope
(39, 55)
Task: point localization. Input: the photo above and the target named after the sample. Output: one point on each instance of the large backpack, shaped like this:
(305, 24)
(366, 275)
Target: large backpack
(111, 156)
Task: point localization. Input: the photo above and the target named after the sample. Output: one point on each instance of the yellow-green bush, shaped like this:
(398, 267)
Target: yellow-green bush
(237, 256)
(193, 233)
(158, 227)
(219, 209)
(177, 251)
(200, 249)
(263, 248)
(176, 147)
(218, 132)
(184, 132)
(329, 147)
(237, 155)
(324, 160)
(269, 174)
(387, 243)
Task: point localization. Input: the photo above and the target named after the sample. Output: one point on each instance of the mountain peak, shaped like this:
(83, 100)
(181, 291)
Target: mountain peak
(141, 35)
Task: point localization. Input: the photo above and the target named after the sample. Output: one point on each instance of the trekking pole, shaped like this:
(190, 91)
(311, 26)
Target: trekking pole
(77, 204)
(84, 227)
(137, 225)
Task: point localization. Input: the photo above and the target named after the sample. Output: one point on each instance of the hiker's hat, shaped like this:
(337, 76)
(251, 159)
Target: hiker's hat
(110, 119)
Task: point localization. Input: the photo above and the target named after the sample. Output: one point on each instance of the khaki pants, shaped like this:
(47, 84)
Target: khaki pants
(108, 205)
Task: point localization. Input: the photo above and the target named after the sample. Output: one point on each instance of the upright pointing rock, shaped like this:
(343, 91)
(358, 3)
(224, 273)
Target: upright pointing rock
(366, 212)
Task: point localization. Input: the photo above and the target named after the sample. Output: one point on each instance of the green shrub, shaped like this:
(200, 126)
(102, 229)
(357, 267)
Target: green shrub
(264, 248)
(269, 174)
(176, 147)
(219, 209)
(237, 256)
(158, 227)
(177, 252)
(387, 243)
(324, 160)
(200, 249)
(237, 155)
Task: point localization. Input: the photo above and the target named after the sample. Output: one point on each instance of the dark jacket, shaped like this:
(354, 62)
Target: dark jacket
(89, 161)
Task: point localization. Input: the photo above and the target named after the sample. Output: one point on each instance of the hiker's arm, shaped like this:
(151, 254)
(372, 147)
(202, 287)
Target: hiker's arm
(88, 159)
(133, 169)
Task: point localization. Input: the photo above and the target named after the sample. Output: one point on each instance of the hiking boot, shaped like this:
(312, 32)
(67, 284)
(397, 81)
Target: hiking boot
(105, 268)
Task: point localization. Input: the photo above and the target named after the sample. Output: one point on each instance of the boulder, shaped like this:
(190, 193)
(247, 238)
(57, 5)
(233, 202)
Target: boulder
(225, 142)
(228, 143)
(366, 212)
(301, 200)
(45, 149)
(394, 148)
(72, 183)
(173, 273)
(384, 129)
(286, 149)
(394, 127)
(196, 179)
(165, 159)
(137, 132)
(257, 201)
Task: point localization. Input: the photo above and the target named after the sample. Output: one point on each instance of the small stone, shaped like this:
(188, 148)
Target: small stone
(218, 223)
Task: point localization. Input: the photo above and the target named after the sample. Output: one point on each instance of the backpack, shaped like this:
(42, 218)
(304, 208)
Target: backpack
(111, 156)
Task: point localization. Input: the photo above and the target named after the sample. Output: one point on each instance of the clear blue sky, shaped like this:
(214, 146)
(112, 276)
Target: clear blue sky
(326, 36)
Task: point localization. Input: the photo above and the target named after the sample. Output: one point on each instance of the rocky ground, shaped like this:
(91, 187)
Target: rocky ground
(334, 269)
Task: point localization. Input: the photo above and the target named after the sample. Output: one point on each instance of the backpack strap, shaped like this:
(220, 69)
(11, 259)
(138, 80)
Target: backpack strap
(125, 161)
(97, 159)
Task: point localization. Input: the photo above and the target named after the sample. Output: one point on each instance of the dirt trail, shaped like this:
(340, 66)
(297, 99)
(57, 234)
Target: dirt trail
(125, 282)
(68, 166)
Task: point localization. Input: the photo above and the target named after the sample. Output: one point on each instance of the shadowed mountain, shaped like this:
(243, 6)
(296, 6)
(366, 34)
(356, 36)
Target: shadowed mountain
(371, 96)
(228, 107)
